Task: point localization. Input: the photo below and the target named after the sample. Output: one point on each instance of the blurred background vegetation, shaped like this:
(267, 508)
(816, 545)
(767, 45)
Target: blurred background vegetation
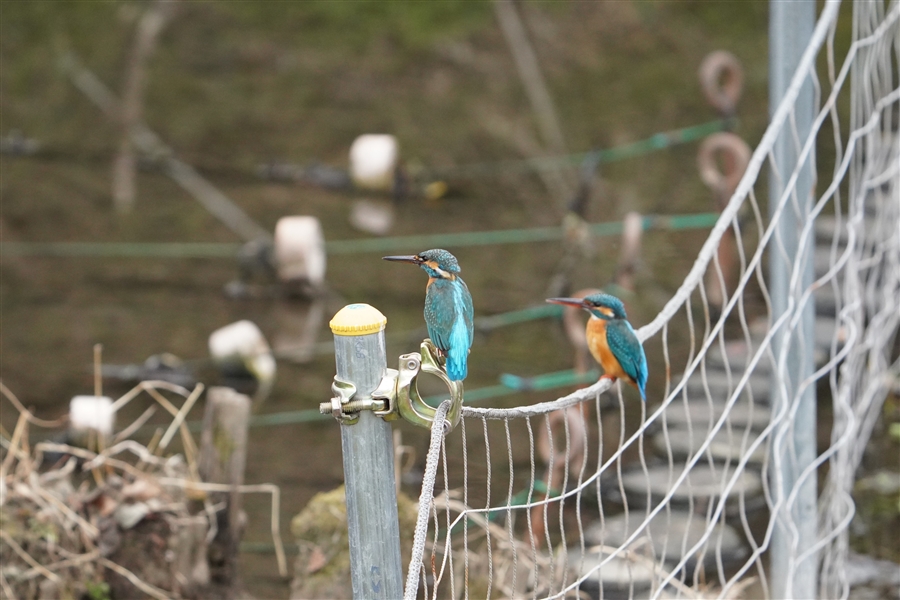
(233, 85)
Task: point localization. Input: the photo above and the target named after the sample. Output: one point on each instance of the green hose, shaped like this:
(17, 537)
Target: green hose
(337, 247)
(655, 142)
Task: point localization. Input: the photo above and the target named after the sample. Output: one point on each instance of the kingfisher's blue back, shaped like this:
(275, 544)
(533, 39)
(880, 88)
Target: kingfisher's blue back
(448, 315)
(627, 349)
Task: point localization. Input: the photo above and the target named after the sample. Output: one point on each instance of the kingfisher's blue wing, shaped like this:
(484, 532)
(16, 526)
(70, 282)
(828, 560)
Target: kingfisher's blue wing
(627, 349)
(449, 317)
(439, 314)
(467, 313)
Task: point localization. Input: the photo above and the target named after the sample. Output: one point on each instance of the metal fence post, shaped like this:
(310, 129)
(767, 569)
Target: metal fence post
(791, 25)
(368, 452)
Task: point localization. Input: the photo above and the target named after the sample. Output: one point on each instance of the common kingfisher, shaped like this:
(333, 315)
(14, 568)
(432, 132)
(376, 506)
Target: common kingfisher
(448, 308)
(612, 340)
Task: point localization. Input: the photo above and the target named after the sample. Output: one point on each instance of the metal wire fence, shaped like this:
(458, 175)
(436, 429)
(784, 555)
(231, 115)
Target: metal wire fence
(598, 495)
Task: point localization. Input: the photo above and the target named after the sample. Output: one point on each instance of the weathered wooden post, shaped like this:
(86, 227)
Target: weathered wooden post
(722, 160)
(630, 254)
(191, 561)
(223, 453)
(368, 452)
(148, 29)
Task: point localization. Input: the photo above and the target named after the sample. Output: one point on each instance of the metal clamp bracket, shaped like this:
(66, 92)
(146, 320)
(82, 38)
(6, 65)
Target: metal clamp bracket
(409, 402)
(397, 395)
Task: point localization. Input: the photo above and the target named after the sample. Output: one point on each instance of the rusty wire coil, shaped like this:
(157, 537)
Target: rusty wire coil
(560, 452)
(564, 453)
(722, 79)
(722, 160)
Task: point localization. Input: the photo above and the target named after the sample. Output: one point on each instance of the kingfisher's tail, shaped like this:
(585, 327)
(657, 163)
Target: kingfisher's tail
(642, 376)
(639, 386)
(456, 363)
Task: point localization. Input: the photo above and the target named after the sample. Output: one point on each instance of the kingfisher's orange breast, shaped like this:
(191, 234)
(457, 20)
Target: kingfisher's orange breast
(596, 338)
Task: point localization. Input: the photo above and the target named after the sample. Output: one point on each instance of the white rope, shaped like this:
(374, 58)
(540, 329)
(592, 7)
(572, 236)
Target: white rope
(426, 498)
(542, 408)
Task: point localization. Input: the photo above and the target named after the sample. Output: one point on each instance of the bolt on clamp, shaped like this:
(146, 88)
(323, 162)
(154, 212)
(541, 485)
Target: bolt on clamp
(345, 407)
(397, 395)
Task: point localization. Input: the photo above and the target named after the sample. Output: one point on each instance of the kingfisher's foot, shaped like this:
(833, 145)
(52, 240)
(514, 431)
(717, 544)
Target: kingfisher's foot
(610, 377)
(441, 356)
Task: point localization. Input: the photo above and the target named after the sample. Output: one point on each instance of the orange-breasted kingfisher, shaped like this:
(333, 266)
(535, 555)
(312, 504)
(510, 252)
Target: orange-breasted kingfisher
(612, 340)
(448, 308)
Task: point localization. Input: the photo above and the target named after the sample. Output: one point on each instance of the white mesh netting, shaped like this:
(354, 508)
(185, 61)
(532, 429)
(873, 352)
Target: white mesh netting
(682, 496)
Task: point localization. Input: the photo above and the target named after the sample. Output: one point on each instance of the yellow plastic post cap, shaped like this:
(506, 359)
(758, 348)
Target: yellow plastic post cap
(357, 319)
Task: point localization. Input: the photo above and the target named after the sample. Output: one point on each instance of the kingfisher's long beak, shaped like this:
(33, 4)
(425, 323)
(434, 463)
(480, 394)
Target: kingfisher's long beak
(409, 259)
(567, 301)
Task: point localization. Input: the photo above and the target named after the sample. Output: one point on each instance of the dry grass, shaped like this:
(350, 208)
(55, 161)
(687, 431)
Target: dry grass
(72, 517)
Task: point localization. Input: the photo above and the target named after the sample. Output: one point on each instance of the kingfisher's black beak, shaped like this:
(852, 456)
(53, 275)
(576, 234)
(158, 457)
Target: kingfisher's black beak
(409, 259)
(578, 302)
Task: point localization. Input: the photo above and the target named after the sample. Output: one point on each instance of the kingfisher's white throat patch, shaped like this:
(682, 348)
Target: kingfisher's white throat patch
(607, 312)
(442, 273)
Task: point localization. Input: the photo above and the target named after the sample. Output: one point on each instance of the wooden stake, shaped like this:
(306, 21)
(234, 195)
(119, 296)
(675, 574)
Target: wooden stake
(190, 555)
(633, 227)
(223, 453)
(145, 140)
(98, 361)
(125, 164)
(537, 91)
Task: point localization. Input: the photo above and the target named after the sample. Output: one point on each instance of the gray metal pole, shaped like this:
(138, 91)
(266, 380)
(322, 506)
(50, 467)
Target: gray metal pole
(368, 451)
(791, 24)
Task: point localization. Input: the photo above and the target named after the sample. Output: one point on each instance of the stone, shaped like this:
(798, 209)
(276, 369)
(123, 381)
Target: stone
(861, 570)
(737, 353)
(702, 485)
(724, 447)
(703, 414)
(321, 531)
(618, 578)
(670, 535)
(129, 515)
(721, 385)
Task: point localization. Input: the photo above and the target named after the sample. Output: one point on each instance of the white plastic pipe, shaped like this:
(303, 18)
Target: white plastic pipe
(300, 250)
(242, 345)
(95, 413)
(373, 160)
